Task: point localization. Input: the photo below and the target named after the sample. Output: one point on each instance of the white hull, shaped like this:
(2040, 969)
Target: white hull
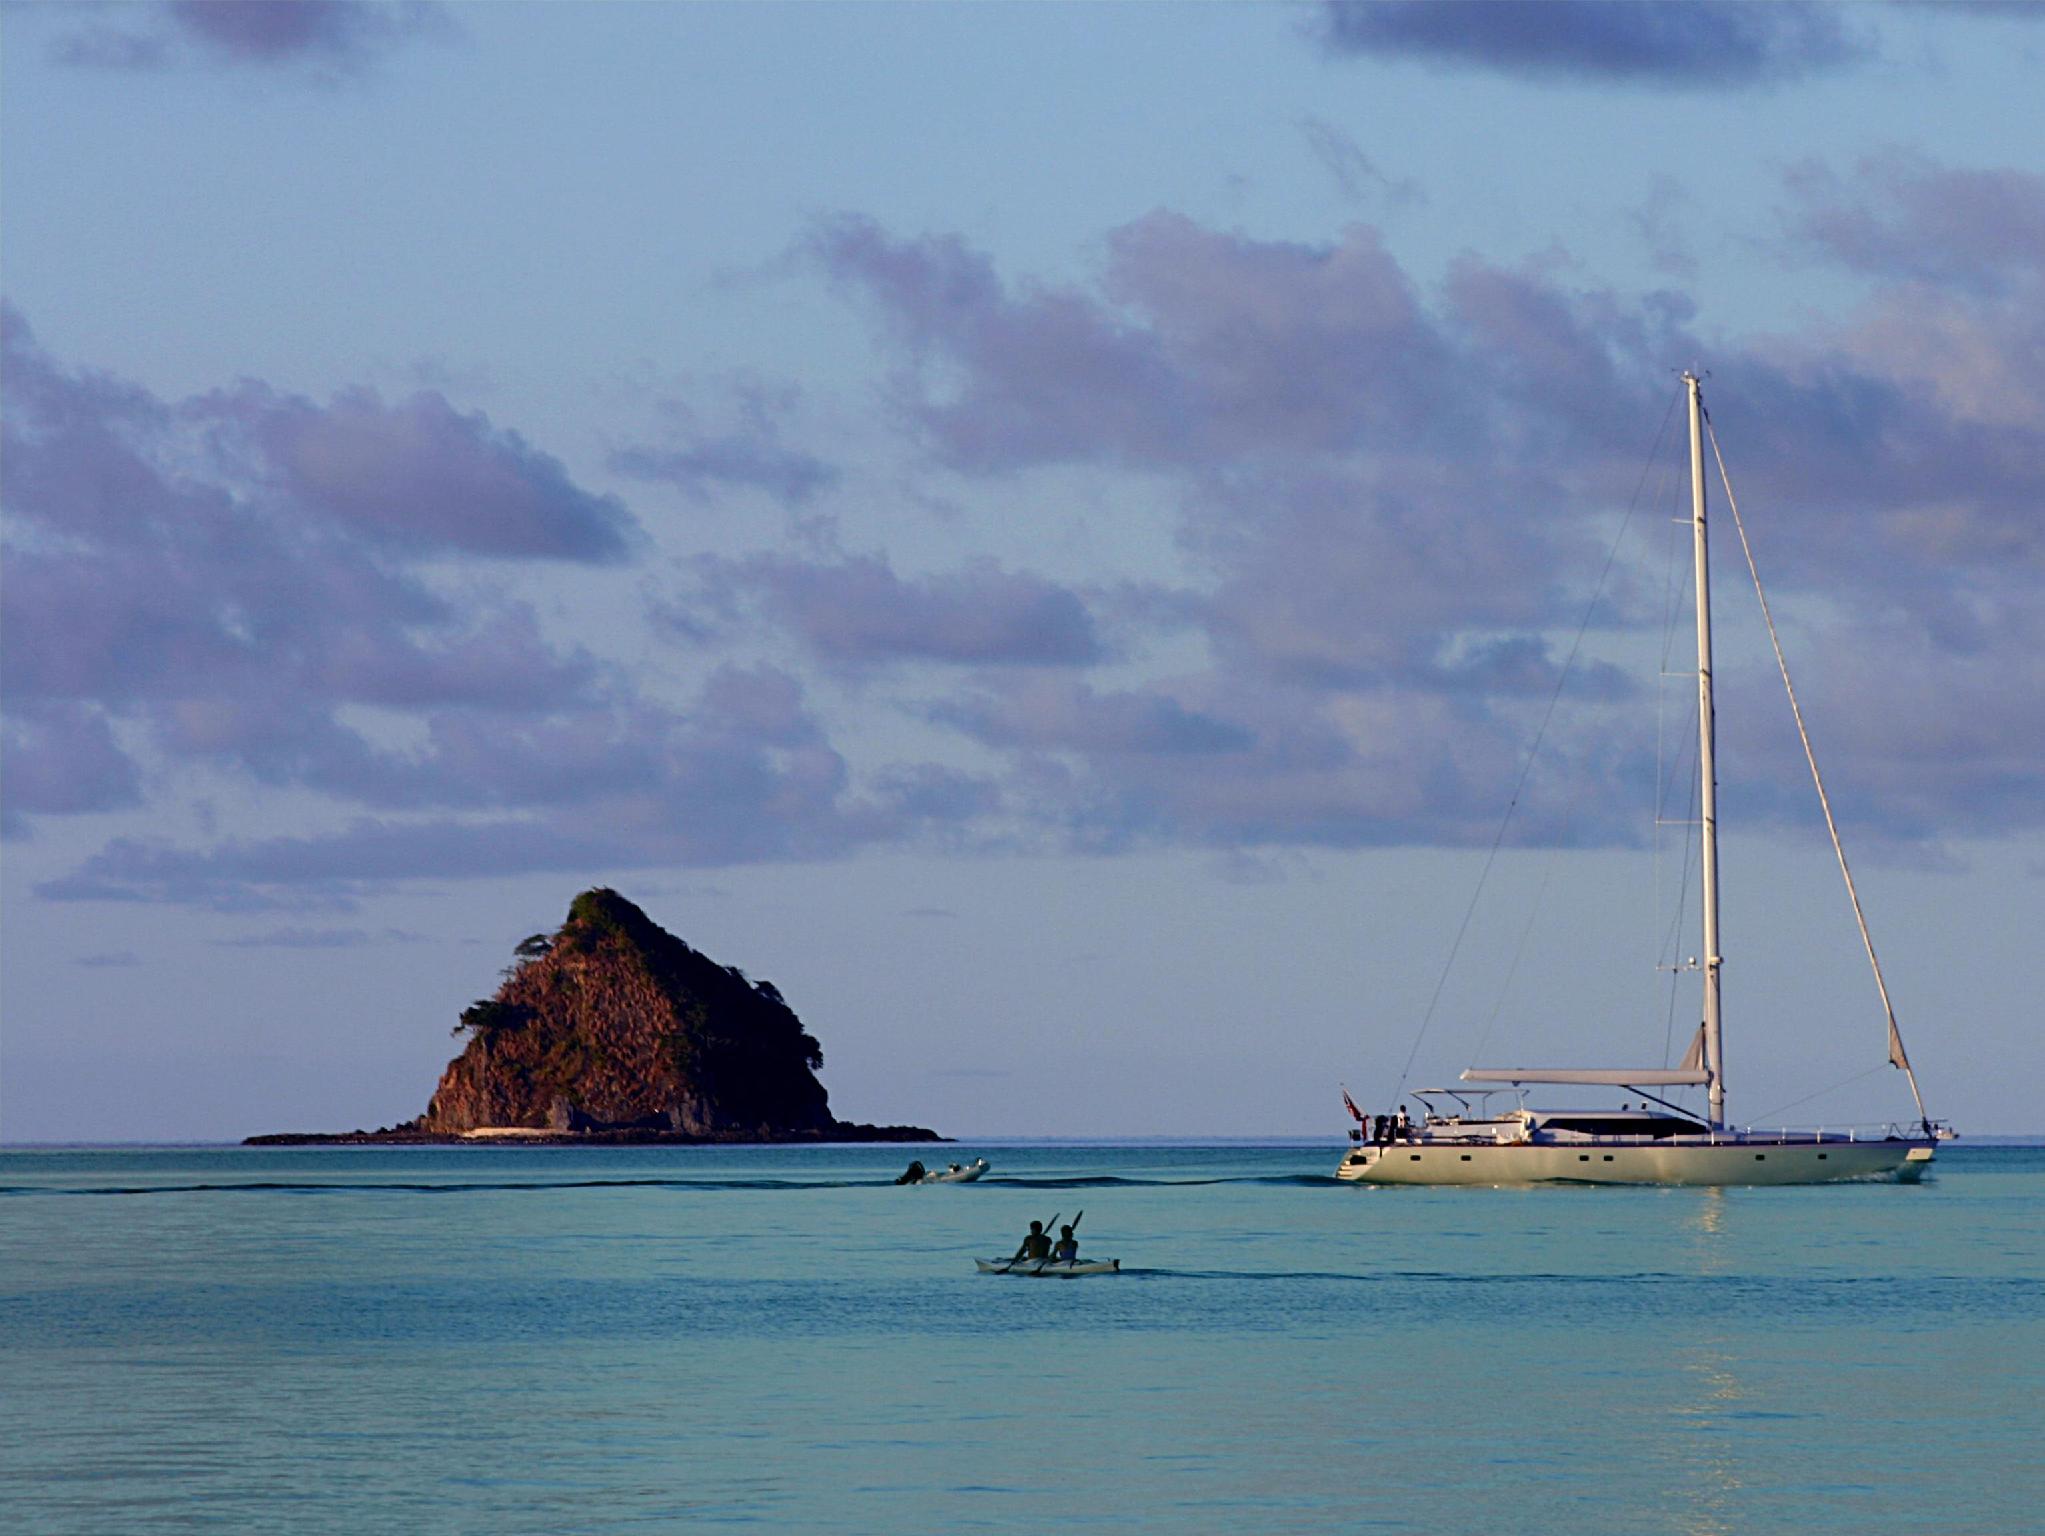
(1048, 1269)
(965, 1175)
(1718, 1162)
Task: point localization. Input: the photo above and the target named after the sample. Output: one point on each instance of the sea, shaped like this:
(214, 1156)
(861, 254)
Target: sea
(551, 1340)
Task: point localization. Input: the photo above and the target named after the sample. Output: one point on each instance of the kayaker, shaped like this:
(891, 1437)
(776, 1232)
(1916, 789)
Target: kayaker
(1067, 1250)
(1036, 1246)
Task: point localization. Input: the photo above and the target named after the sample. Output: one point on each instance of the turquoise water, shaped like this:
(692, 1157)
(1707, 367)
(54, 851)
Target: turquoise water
(359, 1340)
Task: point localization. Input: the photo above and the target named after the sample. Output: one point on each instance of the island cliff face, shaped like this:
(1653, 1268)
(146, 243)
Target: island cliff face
(612, 1028)
(615, 1023)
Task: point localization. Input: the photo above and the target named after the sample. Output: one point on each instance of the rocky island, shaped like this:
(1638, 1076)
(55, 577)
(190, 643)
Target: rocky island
(611, 1029)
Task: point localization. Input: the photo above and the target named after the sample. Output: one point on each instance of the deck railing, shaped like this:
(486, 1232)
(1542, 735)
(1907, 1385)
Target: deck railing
(1775, 1136)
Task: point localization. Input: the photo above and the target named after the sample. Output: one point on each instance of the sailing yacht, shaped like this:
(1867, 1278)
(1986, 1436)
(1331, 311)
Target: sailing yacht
(1462, 1139)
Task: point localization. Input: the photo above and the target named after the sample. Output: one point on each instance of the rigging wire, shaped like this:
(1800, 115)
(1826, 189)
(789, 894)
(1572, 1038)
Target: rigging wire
(1665, 935)
(1844, 1082)
(1540, 734)
(1662, 494)
(1671, 947)
(1526, 932)
(1897, 1055)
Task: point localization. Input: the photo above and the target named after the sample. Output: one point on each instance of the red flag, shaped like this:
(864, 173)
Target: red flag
(1350, 1105)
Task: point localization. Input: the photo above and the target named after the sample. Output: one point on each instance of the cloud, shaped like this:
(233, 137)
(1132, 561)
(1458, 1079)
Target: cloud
(1050, 713)
(1660, 223)
(1385, 496)
(708, 463)
(230, 580)
(1199, 345)
(743, 774)
(1946, 747)
(61, 758)
(1327, 419)
(102, 47)
(700, 463)
(107, 461)
(1228, 760)
(327, 37)
(931, 796)
(1353, 171)
(321, 938)
(266, 31)
(1702, 43)
(115, 959)
(857, 612)
(307, 873)
(1389, 499)
(1909, 432)
(257, 585)
(1394, 500)
(1904, 217)
(1046, 370)
(417, 476)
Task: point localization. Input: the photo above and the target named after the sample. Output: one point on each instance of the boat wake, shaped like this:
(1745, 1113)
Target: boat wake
(540, 1186)
(1119, 1181)
(451, 1187)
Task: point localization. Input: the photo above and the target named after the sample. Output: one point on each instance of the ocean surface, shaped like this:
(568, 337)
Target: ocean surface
(513, 1340)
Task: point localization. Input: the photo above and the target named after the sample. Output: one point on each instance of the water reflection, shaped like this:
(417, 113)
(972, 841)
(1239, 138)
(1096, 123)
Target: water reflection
(1707, 1226)
(1709, 1478)
(1706, 1474)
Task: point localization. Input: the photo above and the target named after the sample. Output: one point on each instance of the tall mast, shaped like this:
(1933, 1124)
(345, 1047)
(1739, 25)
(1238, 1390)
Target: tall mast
(1707, 767)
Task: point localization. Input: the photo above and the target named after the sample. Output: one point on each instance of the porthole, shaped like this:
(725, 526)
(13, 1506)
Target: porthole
(1760, 1157)
(1583, 1157)
(1608, 1157)
(1823, 1155)
(1466, 1157)
(1416, 1157)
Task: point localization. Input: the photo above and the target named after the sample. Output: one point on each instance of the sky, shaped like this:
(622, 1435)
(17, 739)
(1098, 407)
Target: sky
(1124, 556)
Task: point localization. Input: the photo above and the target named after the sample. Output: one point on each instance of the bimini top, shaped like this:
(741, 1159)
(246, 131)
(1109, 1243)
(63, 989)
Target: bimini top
(1614, 1077)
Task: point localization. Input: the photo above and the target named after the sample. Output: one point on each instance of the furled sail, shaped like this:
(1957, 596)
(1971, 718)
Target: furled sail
(1609, 1077)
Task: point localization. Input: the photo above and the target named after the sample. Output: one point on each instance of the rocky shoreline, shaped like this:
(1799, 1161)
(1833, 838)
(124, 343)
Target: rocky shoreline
(519, 1136)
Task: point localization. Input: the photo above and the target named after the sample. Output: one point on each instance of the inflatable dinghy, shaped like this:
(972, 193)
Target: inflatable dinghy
(956, 1174)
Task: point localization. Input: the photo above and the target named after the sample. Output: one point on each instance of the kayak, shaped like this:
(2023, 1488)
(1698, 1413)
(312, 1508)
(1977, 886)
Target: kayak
(965, 1175)
(1049, 1268)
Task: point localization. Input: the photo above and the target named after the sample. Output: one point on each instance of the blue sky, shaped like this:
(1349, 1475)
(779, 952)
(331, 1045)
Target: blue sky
(1046, 531)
